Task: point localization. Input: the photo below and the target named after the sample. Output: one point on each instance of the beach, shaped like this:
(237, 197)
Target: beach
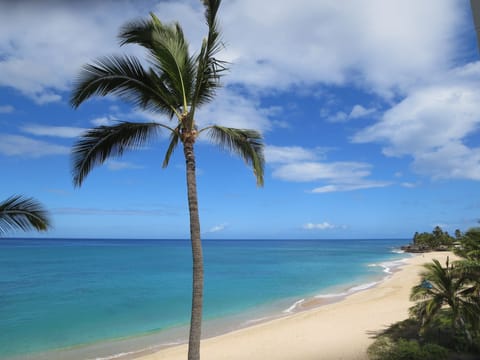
(340, 330)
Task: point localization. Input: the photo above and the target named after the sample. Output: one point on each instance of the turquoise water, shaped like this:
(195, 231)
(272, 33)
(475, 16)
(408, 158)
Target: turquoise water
(63, 293)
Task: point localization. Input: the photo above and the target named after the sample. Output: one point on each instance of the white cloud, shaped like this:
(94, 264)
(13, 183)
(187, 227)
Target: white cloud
(297, 164)
(358, 111)
(234, 110)
(115, 165)
(453, 160)
(103, 121)
(314, 171)
(287, 154)
(321, 226)
(338, 117)
(409, 185)
(359, 185)
(368, 43)
(14, 145)
(432, 124)
(5, 109)
(56, 131)
(41, 44)
(217, 228)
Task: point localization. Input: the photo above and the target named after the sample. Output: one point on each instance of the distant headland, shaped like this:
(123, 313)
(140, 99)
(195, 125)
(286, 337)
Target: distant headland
(437, 240)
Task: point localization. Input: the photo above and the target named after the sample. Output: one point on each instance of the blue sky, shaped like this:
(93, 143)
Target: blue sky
(369, 110)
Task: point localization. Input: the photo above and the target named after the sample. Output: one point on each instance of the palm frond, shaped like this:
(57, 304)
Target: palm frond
(22, 213)
(100, 143)
(209, 68)
(246, 143)
(169, 52)
(123, 76)
(137, 32)
(174, 138)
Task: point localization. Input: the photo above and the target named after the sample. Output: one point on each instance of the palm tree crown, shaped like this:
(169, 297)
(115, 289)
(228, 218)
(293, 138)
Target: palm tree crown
(444, 286)
(175, 85)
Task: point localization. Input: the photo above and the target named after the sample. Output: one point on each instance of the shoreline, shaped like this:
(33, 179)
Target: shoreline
(342, 328)
(217, 328)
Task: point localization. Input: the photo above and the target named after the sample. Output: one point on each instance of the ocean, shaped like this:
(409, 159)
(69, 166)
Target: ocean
(101, 299)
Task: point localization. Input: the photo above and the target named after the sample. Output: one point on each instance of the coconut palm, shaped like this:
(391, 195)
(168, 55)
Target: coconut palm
(469, 245)
(469, 265)
(445, 286)
(174, 85)
(22, 213)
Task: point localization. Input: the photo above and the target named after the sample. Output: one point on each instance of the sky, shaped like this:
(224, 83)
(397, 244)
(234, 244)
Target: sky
(369, 111)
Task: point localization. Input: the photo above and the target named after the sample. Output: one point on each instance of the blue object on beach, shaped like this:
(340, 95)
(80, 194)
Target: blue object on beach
(426, 284)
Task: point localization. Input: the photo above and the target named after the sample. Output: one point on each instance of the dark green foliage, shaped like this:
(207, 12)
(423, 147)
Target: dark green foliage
(469, 247)
(100, 143)
(434, 240)
(448, 287)
(22, 213)
(384, 348)
(437, 339)
(246, 143)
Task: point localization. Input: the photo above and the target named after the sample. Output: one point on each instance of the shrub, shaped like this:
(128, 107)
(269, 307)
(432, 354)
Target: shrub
(385, 348)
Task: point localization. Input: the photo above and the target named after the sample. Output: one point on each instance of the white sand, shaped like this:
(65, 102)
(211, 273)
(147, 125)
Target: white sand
(341, 330)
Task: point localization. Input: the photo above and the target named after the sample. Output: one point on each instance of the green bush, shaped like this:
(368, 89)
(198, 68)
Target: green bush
(385, 348)
(434, 351)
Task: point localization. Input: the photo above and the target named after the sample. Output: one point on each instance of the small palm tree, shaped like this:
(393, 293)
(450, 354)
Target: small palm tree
(469, 245)
(22, 213)
(175, 85)
(469, 266)
(444, 286)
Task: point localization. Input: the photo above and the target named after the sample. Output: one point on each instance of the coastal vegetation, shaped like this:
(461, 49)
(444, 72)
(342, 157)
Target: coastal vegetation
(22, 213)
(174, 85)
(437, 240)
(445, 320)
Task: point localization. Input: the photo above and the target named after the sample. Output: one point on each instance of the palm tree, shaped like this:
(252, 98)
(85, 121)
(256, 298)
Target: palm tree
(469, 245)
(444, 286)
(469, 265)
(174, 85)
(22, 213)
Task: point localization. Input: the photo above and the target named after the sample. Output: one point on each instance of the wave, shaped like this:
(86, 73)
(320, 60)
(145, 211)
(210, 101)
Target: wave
(294, 306)
(362, 287)
(136, 352)
(389, 266)
(255, 321)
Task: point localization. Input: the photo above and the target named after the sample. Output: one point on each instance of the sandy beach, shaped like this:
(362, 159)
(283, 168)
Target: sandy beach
(341, 330)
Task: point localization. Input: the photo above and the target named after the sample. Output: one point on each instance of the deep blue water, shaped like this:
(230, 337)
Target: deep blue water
(57, 293)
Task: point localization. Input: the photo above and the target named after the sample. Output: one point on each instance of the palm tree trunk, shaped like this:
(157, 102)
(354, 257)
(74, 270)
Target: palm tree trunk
(197, 287)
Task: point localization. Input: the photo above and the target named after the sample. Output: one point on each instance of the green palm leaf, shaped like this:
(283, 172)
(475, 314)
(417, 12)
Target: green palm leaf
(137, 32)
(124, 76)
(447, 286)
(169, 54)
(22, 213)
(246, 143)
(174, 139)
(98, 144)
(209, 68)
